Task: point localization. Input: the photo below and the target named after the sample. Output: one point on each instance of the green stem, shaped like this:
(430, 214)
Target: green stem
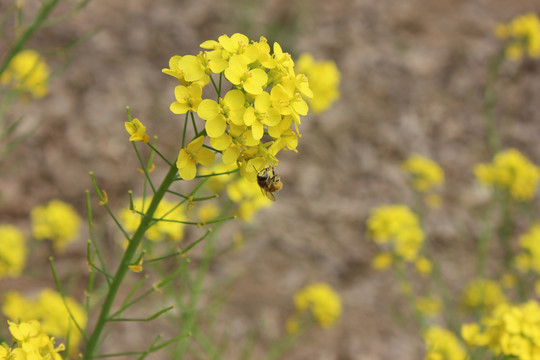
(492, 136)
(40, 18)
(127, 259)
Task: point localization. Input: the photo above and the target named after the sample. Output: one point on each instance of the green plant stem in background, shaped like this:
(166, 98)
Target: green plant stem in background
(127, 259)
(40, 18)
(492, 135)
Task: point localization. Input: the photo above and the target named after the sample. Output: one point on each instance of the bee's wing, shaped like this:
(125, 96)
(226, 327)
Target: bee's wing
(268, 194)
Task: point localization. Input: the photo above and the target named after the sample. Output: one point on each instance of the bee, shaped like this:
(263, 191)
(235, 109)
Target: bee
(269, 182)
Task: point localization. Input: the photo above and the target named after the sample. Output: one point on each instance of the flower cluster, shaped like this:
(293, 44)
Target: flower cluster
(529, 258)
(511, 331)
(324, 78)
(426, 176)
(482, 294)
(51, 312)
(169, 228)
(28, 73)
(265, 97)
(31, 343)
(399, 228)
(12, 251)
(56, 221)
(512, 171)
(246, 195)
(320, 301)
(523, 34)
(442, 344)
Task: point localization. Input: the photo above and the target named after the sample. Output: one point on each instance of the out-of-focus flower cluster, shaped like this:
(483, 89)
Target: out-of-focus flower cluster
(483, 294)
(529, 257)
(426, 176)
(324, 78)
(511, 331)
(442, 344)
(50, 311)
(523, 34)
(28, 73)
(318, 300)
(56, 221)
(30, 343)
(12, 251)
(169, 228)
(266, 97)
(397, 228)
(511, 171)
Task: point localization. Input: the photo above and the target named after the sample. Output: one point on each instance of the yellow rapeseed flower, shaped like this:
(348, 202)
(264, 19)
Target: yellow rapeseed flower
(30, 342)
(27, 72)
(12, 251)
(56, 221)
(442, 344)
(511, 171)
(137, 131)
(523, 34)
(188, 158)
(429, 306)
(321, 301)
(425, 173)
(509, 331)
(50, 311)
(398, 228)
(483, 294)
(162, 230)
(530, 243)
(324, 78)
(248, 196)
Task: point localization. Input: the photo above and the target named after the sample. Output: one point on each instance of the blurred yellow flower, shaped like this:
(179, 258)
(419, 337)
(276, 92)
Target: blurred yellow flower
(382, 261)
(56, 221)
(12, 251)
(51, 312)
(429, 306)
(512, 171)
(324, 78)
(27, 72)
(530, 243)
(397, 227)
(509, 331)
(248, 196)
(425, 173)
(423, 265)
(161, 230)
(523, 33)
(321, 301)
(442, 344)
(483, 294)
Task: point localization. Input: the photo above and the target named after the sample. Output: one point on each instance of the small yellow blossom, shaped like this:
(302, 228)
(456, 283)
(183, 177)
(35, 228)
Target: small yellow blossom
(483, 294)
(31, 343)
(324, 78)
(530, 243)
(321, 301)
(248, 196)
(442, 344)
(429, 306)
(188, 158)
(27, 72)
(512, 171)
(523, 34)
(56, 221)
(12, 251)
(162, 230)
(208, 211)
(399, 228)
(425, 173)
(423, 265)
(50, 311)
(187, 98)
(509, 331)
(137, 131)
(382, 261)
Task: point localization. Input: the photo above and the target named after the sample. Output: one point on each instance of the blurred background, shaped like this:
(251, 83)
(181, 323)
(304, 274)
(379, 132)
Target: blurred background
(413, 77)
